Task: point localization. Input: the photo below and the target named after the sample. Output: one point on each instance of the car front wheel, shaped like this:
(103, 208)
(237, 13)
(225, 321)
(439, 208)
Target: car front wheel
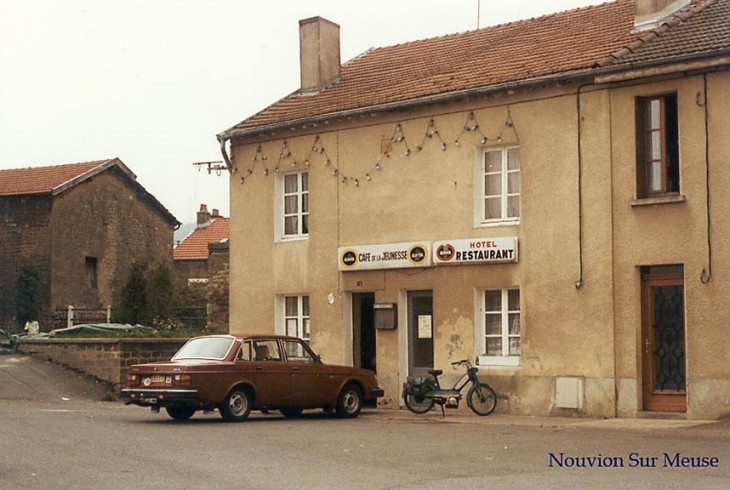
(349, 402)
(237, 405)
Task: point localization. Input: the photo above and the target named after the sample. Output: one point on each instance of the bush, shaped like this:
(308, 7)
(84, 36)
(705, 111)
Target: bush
(151, 298)
(27, 295)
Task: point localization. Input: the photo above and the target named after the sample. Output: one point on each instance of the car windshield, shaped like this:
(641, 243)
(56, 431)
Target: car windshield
(205, 348)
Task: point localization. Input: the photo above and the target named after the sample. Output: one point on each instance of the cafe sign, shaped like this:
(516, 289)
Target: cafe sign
(475, 251)
(388, 256)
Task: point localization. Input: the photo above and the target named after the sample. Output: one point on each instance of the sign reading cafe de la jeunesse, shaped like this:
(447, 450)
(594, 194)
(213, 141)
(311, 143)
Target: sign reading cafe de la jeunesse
(390, 256)
(424, 254)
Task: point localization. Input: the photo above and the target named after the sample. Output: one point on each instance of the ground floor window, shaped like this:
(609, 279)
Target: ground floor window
(498, 327)
(296, 317)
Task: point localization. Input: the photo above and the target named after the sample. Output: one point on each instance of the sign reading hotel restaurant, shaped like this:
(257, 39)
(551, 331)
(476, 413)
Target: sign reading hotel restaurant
(475, 251)
(389, 256)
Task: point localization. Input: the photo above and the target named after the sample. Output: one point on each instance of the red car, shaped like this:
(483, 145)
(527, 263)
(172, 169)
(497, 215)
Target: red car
(240, 373)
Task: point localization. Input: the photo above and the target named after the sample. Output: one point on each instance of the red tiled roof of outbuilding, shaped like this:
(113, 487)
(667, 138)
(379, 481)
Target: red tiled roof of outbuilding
(42, 180)
(195, 245)
(56, 179)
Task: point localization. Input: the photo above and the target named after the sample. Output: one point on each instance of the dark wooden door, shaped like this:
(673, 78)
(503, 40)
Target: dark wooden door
(420, 332)
(663, 343)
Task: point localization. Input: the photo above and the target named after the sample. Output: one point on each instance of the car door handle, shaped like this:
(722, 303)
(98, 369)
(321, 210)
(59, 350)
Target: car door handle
(295, 369)
(259, 368)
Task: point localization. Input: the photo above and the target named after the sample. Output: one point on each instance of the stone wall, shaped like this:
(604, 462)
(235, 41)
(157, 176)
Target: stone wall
(218, 290)
(25, 239)
(106, 359)
(108, 220)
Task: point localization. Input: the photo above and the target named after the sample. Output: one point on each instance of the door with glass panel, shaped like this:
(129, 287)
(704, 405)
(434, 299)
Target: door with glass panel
(663, 340)
(420, 332)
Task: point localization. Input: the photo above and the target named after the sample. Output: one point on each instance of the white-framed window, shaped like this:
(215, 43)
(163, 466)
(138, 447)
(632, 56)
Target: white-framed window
(498, 327)
(292, 207)
(497, 189)
(296, 317)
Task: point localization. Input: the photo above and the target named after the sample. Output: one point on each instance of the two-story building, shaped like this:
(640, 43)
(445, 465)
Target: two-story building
(545, 197)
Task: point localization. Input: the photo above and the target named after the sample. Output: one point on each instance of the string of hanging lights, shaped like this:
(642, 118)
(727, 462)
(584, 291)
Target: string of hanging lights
(398, 138)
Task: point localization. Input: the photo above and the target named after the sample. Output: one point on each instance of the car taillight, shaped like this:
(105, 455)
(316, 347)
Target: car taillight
(132, 379)
(181, 380)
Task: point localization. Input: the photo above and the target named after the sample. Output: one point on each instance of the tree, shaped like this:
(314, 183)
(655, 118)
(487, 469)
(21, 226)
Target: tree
(133, 308)
(149, 298)
(27, 295)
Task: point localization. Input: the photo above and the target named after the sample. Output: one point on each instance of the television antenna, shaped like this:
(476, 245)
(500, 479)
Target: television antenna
(215, 166)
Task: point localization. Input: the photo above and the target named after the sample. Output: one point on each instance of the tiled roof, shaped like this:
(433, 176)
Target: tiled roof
(42, 180)
(555, 45)
(703, 29)
(56, 179)
(195, 245)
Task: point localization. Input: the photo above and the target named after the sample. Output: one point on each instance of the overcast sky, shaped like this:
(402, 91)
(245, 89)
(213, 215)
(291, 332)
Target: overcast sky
(153, 81)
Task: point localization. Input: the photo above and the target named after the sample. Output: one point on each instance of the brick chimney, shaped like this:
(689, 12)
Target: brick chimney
(216, 214)
(649, 14)
(319, 53)
(203, 216)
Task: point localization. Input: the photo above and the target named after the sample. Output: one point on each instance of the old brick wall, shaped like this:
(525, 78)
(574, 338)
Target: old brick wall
(107, 219)
(24, 239)
(106, 359)
(218, 290)
(190, 269)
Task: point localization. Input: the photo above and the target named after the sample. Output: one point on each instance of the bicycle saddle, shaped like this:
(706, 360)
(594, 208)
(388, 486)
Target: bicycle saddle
(435, 372)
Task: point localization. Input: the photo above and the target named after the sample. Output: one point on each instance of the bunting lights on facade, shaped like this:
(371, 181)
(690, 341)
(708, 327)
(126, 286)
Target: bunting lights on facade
(398, 145)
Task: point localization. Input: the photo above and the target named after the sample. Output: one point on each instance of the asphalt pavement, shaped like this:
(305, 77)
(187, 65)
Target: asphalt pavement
(60, 429)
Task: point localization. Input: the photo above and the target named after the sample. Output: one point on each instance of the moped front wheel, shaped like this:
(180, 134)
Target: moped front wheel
(418, 404)
(481, 399)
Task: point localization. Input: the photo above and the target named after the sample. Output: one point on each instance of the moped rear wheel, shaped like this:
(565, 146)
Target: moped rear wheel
(481, 399)
(418, 403)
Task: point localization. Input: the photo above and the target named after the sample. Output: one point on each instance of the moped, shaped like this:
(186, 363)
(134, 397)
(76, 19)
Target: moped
(420, 394)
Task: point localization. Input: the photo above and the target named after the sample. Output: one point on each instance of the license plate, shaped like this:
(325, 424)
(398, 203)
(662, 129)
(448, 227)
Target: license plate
(157, 378)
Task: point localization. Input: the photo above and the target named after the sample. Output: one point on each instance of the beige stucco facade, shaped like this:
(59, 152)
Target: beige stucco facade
(583, 238)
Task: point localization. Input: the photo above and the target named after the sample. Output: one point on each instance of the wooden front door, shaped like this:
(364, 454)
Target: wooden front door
(663, 343)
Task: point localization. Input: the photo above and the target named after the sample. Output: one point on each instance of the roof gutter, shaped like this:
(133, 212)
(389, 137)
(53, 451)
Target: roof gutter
(622, 73)
(607, 74)
(396, 106)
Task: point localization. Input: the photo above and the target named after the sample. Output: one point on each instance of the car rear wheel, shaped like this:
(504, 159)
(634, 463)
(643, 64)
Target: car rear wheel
(180, 412)
(291, 412)
(237, 405)
(349, 403)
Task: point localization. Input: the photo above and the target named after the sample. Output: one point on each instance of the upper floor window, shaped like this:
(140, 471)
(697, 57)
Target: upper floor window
(91, 272)
(295, 205)
(498, 186)
(657, 146)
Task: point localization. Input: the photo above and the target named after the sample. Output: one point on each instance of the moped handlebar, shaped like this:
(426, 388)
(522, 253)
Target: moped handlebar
(463, 361)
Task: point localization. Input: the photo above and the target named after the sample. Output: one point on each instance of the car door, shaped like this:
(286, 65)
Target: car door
(271, 374)
(308, 385)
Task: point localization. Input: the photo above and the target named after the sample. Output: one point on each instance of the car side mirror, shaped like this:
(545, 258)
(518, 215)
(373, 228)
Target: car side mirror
(318, 359)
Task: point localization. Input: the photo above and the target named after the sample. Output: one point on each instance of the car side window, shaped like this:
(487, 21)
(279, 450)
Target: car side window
(266, 350)
(297, 352)
(244, 353)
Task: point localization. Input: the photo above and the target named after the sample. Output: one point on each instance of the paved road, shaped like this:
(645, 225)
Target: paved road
(55, 433)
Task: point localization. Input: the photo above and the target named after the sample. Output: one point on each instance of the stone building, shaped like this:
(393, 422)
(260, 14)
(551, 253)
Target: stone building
(545, 197)
(191, 254)
(201, 260)
(80, 226)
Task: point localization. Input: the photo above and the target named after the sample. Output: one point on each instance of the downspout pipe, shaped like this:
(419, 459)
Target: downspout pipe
(226, 158)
